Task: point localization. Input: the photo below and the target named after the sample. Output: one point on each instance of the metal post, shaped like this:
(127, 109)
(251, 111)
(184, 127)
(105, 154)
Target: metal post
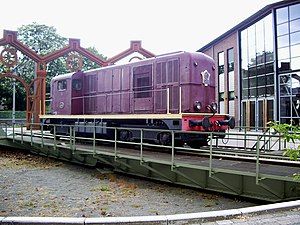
(6, 130)
(74, 138)
(210, 155)
(31, 140)
(257, 160)
(70, 139)
(22, 137)
(180, 101)
(13, 132)
(116, 131)
(173, 150)
(54, 135)
(141, 146)
(42, 131)
(245, 138)
(168, 100)
(94, 139)
(14, 102)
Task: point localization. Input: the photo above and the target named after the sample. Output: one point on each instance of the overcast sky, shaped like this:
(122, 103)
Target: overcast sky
(162, 25)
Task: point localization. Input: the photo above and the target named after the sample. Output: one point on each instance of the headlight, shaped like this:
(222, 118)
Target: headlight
(214, 106)
(197, 106)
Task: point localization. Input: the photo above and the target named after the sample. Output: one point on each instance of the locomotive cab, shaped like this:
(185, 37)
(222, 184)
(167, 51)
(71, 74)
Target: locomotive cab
(66, 94)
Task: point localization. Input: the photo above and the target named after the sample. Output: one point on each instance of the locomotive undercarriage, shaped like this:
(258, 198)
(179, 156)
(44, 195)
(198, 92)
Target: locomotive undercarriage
(129, 130)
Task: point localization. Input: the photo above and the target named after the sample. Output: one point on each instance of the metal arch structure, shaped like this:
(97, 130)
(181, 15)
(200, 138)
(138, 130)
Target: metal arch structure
(36, 99)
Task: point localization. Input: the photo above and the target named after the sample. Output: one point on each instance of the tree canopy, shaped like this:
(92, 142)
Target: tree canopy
(42, 39)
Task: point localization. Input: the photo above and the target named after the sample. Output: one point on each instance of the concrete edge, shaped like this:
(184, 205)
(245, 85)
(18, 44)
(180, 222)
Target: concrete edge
(146, 219)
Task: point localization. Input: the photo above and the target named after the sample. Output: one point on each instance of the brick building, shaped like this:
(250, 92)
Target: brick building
(258, 66)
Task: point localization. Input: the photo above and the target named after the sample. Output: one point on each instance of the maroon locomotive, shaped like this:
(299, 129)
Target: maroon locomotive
(174, 91)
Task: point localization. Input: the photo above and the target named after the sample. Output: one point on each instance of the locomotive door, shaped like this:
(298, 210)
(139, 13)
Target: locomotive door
(142, 89)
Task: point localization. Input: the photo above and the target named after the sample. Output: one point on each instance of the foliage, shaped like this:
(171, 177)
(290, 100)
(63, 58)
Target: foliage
(7, 114)
(43, 40)
(291, 134)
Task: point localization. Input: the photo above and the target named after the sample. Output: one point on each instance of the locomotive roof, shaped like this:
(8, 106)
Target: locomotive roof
(167, 55)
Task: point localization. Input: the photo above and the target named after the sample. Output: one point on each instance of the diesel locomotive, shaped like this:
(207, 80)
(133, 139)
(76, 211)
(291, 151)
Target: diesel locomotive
(174, 91)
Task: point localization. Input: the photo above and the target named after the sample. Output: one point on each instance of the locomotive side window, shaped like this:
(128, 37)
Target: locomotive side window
(62, 85)
(142, 81)
(77, 84)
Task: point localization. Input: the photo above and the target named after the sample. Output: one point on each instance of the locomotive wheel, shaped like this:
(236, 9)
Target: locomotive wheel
(125, 135)
(165, 138)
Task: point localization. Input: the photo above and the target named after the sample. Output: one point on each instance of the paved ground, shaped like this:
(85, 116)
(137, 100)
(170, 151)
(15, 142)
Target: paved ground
(282, 217)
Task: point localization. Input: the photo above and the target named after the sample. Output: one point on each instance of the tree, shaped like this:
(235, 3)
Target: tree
(43, 40)
(290, 133)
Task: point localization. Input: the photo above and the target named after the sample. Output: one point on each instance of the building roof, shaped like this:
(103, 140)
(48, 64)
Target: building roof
(250, 20)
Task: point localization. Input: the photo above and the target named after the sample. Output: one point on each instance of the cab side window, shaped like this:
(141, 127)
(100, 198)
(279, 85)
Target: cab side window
(62, 85)
(77, 84)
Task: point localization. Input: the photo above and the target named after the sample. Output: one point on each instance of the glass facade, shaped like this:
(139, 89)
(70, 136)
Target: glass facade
(258, 60)
(288, 61)
(257, 72)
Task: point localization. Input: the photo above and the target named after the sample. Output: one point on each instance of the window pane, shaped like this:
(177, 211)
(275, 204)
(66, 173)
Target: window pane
(245, 83)
(230, 59)
(295, 107)
(295, 63)
(269, 34)
(221, 96)
(221, 63)
(261, 81)
(270, 79)
(285, 85)
(221, 83)
(295, 84)
(231, 81)
(231, 108)
(251, 46)
(252, 71)
(252, 82)
(221, 58)
(270, 90)
(283, 41)
(244, 48)
(285, 106)
(294, 11)
(282, 15)
(282, 29)
(245, 93)
(295, 51)
(261, 69)
(284, 65)
(244, 73)
(62, 85)
(269, 68)
(284, 53)
(295, 38)
(222, 107)
(270, 113)
(295, 25)
(260, 47)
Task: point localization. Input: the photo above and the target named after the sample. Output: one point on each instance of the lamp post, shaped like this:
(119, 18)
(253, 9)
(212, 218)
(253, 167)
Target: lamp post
(14, 102)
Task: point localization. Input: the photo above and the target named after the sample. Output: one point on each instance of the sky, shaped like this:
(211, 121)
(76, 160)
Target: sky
(109, 25)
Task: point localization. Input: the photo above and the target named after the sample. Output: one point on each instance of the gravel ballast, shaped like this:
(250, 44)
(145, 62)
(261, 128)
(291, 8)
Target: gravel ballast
(37, 186)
